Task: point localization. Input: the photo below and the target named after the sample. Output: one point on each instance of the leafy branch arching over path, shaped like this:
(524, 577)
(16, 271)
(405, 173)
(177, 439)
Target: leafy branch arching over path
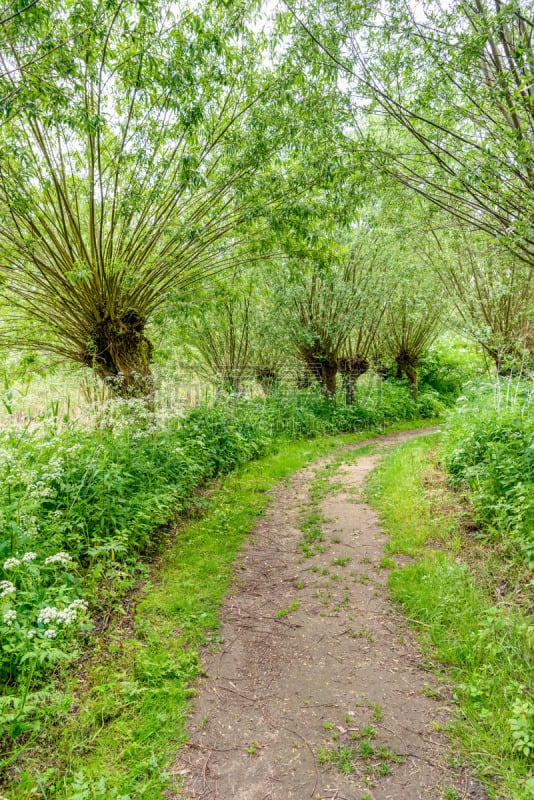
(314, 686)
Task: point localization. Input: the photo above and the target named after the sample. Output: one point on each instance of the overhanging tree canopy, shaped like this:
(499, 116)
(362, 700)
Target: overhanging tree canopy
(453, 88)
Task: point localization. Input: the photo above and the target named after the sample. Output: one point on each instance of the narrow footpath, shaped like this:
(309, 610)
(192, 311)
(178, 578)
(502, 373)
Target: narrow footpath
(314, 686)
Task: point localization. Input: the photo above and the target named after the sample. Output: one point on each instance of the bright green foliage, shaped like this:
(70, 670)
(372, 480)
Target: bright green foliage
(447, 370)
(101, 496)
(522, 725)
(453, 83)
(129, 159)
(493, 294)
(485, 647)
(490, 452)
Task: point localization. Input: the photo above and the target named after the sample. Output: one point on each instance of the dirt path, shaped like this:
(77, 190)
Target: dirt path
(314, 687)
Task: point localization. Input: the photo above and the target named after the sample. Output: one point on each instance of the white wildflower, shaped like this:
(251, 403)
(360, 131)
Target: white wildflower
(10, 617)
(47, 614)
(29, 523)
(31, 633)
(40, 491)
(58, 558)
(67, 616)
(50, 633)
(82, 604)
(6, 587)
(70, 613)
(11, 562)
(29, 556)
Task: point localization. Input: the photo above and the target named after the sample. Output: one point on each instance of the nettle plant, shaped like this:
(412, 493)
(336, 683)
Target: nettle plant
(40, 613)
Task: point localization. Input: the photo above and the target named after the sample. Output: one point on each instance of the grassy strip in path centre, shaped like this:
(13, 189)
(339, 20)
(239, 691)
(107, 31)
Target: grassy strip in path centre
(122, 719)
(482, 638)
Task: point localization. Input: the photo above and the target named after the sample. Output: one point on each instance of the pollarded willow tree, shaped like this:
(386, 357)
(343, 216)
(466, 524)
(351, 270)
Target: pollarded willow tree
(219, 330)
(125, 162)
(325, 304)
(493, 294)
(234, 336)
(412, 324)
(355, 359)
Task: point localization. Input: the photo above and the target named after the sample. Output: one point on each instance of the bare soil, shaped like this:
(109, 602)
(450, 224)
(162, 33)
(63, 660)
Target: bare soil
(314, 686)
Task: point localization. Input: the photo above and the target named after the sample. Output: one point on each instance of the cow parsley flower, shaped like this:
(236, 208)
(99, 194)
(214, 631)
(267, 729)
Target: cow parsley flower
(29, 556)
(58, 558)
(81, 604)
(70, 613)
(67, 616)
(6, 587)
(31, 633)
(47, 614)
(11, 562)
(50, 633)
(10, 617)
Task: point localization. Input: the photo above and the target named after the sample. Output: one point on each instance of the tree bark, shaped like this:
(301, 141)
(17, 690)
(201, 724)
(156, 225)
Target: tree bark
(407, 365)
(324, 369)
(329, 377)
(351, 369)
(120, 354)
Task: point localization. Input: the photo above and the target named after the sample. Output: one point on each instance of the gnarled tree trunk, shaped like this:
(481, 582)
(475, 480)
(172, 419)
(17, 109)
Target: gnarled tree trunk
(324, 368)
(351, 369)
(407, 365)
(120, 354)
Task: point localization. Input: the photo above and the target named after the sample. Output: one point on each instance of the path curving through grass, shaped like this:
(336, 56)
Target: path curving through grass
(314, 686)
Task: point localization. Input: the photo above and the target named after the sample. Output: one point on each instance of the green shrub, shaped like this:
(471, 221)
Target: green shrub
(447, 370)
(489, 451)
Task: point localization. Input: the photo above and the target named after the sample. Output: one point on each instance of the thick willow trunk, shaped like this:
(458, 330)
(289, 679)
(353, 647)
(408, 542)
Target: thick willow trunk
(330, 370)
(120, 354)
(324, 369)
(351, 369)
(407, 365)
(268, 379)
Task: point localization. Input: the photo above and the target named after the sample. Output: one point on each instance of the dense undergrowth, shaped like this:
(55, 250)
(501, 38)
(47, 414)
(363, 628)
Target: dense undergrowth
(475, 624)
(489, 454)
(82, 503)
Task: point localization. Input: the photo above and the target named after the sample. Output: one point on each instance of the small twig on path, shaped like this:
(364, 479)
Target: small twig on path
(204, 768)
(299, 736)
(198, 746)
(421, 758)
(244, 696)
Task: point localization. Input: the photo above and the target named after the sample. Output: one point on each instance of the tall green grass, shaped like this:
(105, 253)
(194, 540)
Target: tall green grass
(484, 646)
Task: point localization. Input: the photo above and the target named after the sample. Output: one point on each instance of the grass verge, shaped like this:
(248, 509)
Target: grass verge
(120, 717)
(482, 639)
